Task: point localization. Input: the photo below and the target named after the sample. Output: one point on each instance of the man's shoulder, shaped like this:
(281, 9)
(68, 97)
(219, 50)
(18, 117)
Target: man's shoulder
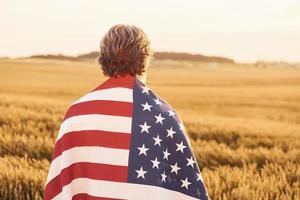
(100, 98)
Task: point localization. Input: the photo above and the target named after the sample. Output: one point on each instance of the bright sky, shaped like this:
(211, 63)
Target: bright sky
(243, 30)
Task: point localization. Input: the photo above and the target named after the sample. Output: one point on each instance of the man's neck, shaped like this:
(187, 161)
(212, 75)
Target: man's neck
(142, 77)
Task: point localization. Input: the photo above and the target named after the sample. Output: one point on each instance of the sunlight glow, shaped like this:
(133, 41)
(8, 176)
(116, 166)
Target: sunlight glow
(243, 30)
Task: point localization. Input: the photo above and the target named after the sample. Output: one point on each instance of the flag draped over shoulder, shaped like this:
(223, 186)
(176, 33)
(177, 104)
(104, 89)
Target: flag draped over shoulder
(122, 141)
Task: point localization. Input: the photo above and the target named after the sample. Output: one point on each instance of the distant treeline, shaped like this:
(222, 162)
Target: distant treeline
(157, 55)
(190, 57)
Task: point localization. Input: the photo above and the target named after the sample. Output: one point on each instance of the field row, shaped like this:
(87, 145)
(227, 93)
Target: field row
(23, 178)
(28, 135)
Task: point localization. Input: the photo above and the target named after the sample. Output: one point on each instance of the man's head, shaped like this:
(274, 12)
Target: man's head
(125, 49)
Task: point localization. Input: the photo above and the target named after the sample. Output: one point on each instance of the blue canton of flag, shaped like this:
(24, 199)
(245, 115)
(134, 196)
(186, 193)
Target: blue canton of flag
(160, 153)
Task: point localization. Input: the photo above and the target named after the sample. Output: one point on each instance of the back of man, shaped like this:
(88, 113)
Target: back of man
(121, 140)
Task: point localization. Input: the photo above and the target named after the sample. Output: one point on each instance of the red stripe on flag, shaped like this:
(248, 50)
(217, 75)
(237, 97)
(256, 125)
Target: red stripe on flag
(84, 196)
(126, 81)
(105, 107)
(91, 138)
(85, 170)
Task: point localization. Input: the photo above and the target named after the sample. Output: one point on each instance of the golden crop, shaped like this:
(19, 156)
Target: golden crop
(244, 122)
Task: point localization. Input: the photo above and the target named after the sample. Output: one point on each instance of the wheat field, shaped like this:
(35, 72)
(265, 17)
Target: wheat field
(243, 121)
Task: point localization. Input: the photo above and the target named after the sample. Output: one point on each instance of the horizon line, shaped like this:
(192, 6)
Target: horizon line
(160, 51)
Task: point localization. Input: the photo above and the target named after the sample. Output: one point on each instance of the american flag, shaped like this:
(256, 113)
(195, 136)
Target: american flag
(122, 141)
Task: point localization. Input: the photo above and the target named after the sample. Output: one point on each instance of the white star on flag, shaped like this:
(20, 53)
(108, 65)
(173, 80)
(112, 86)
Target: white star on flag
(175, 168)
(170, 132)
(185, 183)
(166, 154)
(146, 106)
(199, 177)
(163, 177)
(157, 140)
(171, 113)
(155, 163)
(181, 126)
(191, 162)
(141, 173)
(180, 147)
(159, 119)
(143, 150)
(145, 127)
(157, 101)
(145, 89)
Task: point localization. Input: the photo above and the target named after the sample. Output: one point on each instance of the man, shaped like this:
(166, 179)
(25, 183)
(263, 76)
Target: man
(121, 140)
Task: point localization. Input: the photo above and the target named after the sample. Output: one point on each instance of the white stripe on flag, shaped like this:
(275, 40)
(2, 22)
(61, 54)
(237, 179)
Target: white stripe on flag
(108, 189)
(112, 94)
(103, 155)
(95, 122)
